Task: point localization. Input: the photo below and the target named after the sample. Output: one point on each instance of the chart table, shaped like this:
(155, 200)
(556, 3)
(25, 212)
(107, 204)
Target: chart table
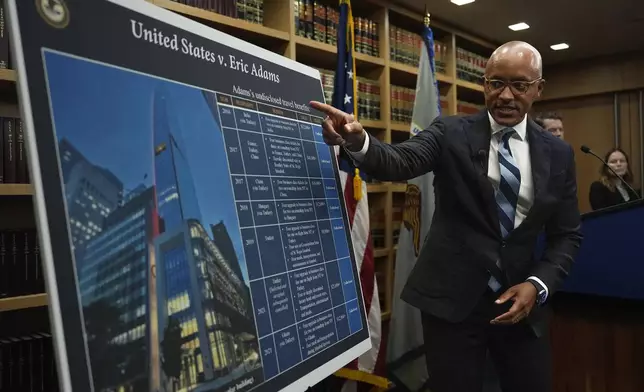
(288, 204)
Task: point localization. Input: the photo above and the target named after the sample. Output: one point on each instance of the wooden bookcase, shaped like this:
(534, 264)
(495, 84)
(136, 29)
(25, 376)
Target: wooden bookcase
(278, 33)
(17, 213)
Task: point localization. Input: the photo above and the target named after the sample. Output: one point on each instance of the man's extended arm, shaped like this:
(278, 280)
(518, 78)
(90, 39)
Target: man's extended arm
(563, 235)
(403, 161)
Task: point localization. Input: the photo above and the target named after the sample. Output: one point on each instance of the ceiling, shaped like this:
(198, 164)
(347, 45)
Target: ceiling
(591, 27)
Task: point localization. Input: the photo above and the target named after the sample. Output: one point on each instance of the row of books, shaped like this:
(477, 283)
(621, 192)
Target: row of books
(405, 46)
(402, 103)
(316, 21)
(319, 22)
(328, 80)
(366, 36)
(402, 99)
(248, 10)
(368, 94)
(20, 264)
(470, 66)
(13, 152)
(368, 99)
(27, 363)
(463, 107)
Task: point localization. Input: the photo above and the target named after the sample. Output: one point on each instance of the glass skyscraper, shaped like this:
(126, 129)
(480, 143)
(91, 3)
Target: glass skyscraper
(91, 192)
(113, 284)
(203, 304)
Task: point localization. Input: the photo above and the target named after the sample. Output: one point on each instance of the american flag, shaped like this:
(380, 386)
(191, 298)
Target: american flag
(369, 367)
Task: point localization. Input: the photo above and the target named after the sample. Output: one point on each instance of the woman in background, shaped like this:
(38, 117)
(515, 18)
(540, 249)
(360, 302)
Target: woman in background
(609, 190)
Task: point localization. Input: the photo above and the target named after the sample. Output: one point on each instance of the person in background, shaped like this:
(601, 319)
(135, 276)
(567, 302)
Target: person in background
(551, 122)
(609, 190)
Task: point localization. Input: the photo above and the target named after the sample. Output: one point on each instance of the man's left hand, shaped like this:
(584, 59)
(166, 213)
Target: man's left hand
(524, 296)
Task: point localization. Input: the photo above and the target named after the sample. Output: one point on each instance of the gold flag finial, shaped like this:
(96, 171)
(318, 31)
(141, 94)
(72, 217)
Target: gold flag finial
(426, 18)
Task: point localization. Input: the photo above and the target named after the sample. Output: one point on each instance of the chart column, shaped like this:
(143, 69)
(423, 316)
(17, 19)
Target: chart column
(343, 285)
(249, 177)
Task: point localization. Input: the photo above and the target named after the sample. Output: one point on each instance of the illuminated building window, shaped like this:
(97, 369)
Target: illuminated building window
(178, 303)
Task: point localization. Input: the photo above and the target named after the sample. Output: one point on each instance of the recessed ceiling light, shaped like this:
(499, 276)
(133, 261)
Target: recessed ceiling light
(461, 2)
(560, 46)
(519, 26)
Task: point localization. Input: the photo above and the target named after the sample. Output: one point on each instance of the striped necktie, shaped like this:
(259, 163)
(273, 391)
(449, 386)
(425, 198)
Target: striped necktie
(508, 193)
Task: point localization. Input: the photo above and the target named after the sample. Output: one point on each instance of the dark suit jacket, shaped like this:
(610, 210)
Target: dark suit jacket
(464, 241)
(602, 197)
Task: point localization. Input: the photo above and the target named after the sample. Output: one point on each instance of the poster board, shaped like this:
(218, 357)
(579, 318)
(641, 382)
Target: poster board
(193, 229)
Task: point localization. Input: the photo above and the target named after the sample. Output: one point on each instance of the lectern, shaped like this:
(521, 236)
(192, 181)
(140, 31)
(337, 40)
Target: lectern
(597, 332)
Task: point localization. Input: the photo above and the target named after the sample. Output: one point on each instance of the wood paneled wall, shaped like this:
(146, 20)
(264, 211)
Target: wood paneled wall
(594, 76)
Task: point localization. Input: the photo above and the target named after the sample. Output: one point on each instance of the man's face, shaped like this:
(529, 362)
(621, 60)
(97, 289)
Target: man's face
(555, 127)
(512, 85)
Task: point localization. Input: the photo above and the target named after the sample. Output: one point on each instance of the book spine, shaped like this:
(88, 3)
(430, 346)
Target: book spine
(35, 250)
(319, 29)
(399, 45)
(302, 19)
(16, 282)
(241, 9)
(392, 43)
(377, 101)
(308, 16)
(9, 151)
(4, 37)
(375, 40)
(260, 12)
(4, 267)
(296, 16)
(21, 154)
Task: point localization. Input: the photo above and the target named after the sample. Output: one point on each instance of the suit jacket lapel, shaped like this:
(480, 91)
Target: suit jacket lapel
(479, 136)
(540, 162)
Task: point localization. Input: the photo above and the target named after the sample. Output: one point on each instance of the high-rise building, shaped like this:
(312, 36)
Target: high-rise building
(199, 287)
(91, 192)
(113, 284)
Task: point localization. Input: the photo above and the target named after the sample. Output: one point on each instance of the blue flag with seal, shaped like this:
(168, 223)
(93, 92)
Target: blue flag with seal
(405, 353)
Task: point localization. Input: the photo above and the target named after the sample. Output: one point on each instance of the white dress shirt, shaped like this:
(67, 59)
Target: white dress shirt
(521, 153)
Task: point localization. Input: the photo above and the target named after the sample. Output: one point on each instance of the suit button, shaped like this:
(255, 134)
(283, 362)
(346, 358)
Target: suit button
(503, 244)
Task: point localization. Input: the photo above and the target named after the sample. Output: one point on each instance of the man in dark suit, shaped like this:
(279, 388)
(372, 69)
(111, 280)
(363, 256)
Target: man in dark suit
(500, 180)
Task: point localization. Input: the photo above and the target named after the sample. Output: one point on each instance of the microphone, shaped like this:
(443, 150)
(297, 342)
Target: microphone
(481, 157)
(586, 150)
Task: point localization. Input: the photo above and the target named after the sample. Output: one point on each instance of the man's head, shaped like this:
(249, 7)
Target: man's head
(551, 122)
(513, 81)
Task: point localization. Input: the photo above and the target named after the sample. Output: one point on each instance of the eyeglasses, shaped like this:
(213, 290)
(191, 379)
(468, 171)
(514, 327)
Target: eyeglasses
(518, 87)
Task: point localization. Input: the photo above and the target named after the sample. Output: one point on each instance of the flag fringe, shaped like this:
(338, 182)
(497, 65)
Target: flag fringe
(359, 375)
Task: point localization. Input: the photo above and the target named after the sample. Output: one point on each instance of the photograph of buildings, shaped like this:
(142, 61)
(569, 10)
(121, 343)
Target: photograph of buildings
(161, 270)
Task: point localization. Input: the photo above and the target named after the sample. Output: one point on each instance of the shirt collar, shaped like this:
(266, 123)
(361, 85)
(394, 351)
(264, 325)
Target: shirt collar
(520, 128)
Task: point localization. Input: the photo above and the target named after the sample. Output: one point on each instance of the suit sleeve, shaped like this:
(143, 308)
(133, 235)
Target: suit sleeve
(563, 234)
(406, 160)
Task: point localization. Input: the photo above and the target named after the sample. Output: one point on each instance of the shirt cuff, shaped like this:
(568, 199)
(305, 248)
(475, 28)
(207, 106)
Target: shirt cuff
(540, 283)
(358, 156)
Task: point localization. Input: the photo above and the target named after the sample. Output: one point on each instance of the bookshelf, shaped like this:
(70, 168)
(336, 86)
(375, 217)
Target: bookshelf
(386, 57)
(23, 302)
(273, 27)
